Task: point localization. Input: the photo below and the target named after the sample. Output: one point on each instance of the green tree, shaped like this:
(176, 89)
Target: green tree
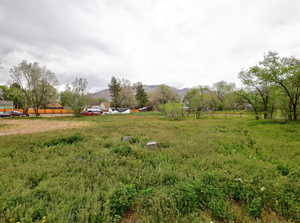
(252, 79)
(74, 96)
(173, 111)
(141, 96)
(251, 98)
(199, 100)
(15, 94)
(222, 89)
(36, 83)
(115, 90)
(3, 92)
(127, 98)
(163, 94)
(285, 73)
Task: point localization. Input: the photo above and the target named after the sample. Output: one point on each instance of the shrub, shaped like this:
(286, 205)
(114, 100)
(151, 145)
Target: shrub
(121, 200)
(173, 111)
(64, 140)
(134, 140)
(107, 144)
(122, 150)
(38, 214)
(283, 170)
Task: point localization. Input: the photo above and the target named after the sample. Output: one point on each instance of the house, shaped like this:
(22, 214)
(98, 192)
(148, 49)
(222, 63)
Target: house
(6, 104)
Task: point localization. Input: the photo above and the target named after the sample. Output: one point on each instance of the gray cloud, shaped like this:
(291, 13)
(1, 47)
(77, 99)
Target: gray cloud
(184, 43)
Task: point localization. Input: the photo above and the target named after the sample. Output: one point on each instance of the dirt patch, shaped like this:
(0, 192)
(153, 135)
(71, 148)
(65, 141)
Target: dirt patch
(15, 127)
(129, 217)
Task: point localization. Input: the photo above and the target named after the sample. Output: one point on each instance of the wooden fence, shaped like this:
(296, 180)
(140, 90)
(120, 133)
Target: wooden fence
(42, 111)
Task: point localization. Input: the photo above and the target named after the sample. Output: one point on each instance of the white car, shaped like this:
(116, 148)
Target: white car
(113, 112)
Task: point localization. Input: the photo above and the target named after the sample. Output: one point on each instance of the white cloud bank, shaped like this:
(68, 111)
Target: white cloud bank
(181, 43)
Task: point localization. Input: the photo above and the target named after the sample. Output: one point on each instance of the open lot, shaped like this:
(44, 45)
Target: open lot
(220, 169)
(28, 126)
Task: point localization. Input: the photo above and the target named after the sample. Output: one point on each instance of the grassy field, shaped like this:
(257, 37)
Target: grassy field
(220, 169)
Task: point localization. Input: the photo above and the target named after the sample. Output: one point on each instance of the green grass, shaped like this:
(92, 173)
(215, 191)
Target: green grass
(224, 169)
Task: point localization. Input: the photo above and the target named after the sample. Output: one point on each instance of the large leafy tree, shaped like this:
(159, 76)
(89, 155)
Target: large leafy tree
(285, 73)
(198, 100)
(15, 93)
(3, 92)
(252, 98)
(252, 80)
(221, 90)
(12, 93)
(163, 94)
(141, 96)
(74, 96)
(127, 98)
(36, 83)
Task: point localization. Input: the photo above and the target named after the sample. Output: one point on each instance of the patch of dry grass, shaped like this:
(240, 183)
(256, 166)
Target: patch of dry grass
(27, 126)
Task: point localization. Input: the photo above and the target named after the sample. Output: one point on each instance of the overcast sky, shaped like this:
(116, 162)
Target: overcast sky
(182, 43)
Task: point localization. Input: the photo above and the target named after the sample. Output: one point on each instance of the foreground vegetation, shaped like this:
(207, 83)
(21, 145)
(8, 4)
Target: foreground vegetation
(220, 168)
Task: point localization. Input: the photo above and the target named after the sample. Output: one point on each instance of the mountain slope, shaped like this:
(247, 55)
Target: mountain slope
(148, 88)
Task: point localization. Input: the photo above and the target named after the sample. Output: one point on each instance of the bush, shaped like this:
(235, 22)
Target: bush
(283, 170)
(64, 140)
(173, 111)
(122, 150)
(121, 200)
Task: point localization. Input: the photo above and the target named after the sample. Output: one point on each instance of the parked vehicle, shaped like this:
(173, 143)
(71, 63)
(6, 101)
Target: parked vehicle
(17, 114)
(144, 109)
(5, 114)
(112, 111)
(12, 114)
(90, 113)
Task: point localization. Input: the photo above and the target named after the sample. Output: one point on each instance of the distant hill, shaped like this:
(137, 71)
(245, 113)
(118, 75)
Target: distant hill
(148, 88)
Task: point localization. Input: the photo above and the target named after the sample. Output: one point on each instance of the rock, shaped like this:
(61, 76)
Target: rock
(152, 144)
(127, 138)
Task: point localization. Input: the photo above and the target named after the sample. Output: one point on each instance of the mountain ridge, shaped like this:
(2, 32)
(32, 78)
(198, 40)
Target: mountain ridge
(148, 88)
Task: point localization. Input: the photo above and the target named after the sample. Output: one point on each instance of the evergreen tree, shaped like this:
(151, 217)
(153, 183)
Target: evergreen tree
(115, 89)
(141, 96)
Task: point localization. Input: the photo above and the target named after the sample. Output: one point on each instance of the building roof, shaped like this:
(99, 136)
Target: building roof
(7, 103)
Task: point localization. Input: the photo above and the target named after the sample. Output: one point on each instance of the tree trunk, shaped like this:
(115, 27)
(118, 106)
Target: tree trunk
(197, 114)
(266, 116)
(290, 116)
(25, 110)
(36, 111)
(266, 110)
(295, 115)
(256, 113)
(271, 111)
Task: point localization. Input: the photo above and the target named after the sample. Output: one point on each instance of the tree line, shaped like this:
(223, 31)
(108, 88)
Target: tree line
(270, 87)
(34, 86)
